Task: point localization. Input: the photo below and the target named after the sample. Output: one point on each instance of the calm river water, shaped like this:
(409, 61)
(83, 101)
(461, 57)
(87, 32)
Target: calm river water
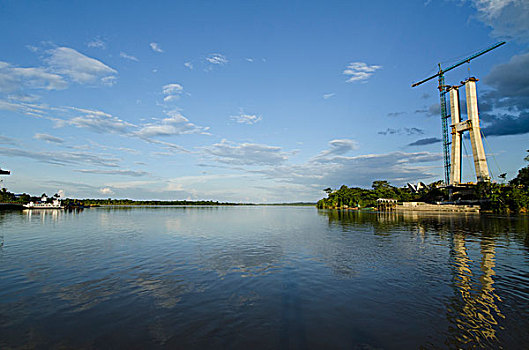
(262, 277)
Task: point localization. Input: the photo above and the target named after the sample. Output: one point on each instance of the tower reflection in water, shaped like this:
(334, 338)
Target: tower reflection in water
(473, 312)
(473, 308)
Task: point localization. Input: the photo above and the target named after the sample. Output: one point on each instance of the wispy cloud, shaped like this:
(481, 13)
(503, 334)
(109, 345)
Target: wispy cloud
(128, 57)
(23, 97)
(97, 121)
(188, 65)
(425, 141)
(78, 67)
(172, 92)
(167, 145)
(246, 153)
(402, 131)
(328, 96)
(97, 43)
(155, 47)
(29, 109)
(243, 118)
(359, 71)
(174, 124)
(432, 110)
(15, 79)
(4, 140)
(48, 138)
(61, 158)
(217, 59)
(133, 173)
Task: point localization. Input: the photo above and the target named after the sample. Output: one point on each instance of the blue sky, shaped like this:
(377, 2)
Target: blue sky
(266, 101)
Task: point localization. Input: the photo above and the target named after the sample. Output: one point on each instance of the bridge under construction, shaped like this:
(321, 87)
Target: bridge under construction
(452, 155)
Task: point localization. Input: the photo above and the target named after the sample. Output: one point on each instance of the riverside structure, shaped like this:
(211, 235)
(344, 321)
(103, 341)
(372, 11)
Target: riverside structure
(472, 126)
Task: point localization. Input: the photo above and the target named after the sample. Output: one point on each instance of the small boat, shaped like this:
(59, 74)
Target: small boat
(44, 204)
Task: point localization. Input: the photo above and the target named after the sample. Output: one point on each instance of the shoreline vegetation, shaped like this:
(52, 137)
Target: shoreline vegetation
(511, 197)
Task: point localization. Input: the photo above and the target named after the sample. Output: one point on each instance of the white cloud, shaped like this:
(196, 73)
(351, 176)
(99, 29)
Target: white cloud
(246, 118)
(359, 71)
(339, 147)
(217, 59)
(97, 121)
(128, 57)
(155, 47)
(246, 153)
(48, 138)
(328, 96)
(80, 68)
(61, 158)
(249, 59)
(29, 109)
(172, 92)
(171, 89)
(188, 65)
(101, 122)
(14, 79)
(108, 81)
(98, 43)
(22, 97)
(106, 190)
(174, 124)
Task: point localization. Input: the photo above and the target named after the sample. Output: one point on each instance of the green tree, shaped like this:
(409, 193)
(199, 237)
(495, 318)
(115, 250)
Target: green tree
(522, 179)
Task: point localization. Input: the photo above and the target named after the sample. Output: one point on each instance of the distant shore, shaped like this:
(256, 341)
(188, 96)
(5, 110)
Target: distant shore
(71, 204)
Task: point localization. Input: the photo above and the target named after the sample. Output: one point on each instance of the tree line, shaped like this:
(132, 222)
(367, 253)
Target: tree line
(497, 197)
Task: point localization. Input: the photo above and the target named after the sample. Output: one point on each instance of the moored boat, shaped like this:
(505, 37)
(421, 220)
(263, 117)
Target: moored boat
(44, 204)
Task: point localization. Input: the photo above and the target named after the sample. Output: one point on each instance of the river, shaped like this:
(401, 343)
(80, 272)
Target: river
(262, 277)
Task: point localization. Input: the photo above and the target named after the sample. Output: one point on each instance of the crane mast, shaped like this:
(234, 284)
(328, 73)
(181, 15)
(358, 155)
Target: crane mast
(442, 94)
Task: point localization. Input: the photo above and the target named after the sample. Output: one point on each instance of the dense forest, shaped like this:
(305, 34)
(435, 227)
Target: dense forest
(510, 197)
(8, 197)
(356, 197)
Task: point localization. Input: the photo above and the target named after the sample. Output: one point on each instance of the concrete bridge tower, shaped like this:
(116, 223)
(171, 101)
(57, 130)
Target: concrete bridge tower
(472, 125)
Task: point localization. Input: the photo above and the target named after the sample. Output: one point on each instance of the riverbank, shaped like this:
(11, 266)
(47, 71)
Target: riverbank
(421, 206)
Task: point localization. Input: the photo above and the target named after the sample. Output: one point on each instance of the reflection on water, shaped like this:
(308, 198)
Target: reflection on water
(474, 311)
(262, 277)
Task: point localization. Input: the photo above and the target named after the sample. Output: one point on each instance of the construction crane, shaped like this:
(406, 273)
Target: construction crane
(442, 92)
